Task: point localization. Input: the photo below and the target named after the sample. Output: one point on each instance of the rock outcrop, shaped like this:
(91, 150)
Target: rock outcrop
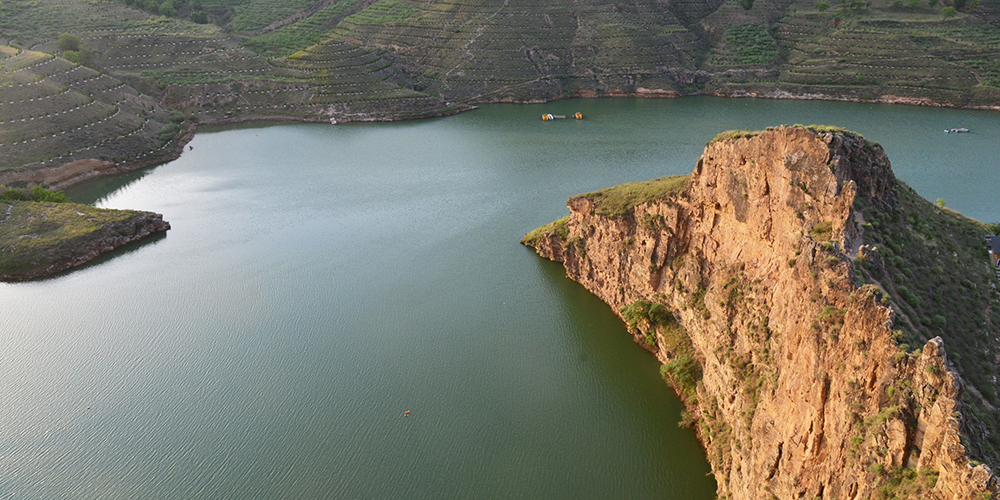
(38, 240)
(794, 380)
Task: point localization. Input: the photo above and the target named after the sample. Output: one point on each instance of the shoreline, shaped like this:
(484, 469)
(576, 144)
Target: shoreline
(72, 173)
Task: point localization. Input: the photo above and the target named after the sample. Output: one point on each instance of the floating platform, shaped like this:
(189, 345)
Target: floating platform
(547, 117)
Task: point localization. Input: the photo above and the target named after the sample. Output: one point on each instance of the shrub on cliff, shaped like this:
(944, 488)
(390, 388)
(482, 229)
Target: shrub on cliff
(9, 194)
(685, 372)
(38, 193)
(650, 312)
(169, 131)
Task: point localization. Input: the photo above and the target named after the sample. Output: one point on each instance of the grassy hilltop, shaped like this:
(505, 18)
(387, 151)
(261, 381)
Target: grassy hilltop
(102, 76)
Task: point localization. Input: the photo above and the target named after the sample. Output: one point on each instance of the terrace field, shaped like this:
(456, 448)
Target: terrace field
(145, 71)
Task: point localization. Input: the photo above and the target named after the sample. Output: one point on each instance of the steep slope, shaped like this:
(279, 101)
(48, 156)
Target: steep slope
(746, 279)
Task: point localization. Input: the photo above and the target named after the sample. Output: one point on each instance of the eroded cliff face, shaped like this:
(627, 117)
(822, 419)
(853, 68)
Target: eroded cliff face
(802, 391)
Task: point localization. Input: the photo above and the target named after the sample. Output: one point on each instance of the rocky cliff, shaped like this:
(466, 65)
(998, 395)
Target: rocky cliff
(756, 281)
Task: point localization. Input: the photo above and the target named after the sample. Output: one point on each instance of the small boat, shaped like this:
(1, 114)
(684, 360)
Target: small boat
(333, 121)
(956, 130)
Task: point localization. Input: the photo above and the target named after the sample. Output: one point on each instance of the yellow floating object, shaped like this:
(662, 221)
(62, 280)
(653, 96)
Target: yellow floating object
(578, 116)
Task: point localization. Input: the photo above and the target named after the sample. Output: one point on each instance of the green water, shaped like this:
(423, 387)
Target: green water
(321, 280)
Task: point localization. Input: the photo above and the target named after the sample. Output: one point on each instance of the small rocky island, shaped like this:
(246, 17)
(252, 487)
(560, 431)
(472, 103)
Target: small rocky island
(832, 334)
(42, 233)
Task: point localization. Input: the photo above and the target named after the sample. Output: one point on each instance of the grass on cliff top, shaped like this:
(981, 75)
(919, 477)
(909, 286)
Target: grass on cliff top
(934, 264)
(558, 228)
(747, 134)
(620, 199)
(34, 234)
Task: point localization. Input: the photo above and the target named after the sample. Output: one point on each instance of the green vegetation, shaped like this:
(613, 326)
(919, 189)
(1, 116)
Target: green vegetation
(902, 483)
(383, 12)
(822, 231)
(932, 263)
(558, 228)
(653, 322)
(68, 42)
(734, 134)
(618, 200)
(747, 133)
(37, 193)
(685, 372)
(651, 313)
(256, 14)
(752, 42)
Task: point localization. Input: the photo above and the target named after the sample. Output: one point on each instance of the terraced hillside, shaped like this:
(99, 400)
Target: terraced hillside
(53, 111)
(389, 59)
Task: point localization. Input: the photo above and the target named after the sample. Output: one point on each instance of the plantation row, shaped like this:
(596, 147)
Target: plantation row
(257, 14)
(178, 63)
(43, 77)
(68, 155)
(37, 100)
(25, 62)
(51, 114)
(67, 126)
(170, 54)
(268, 92)
(53, 84)
(345, 66)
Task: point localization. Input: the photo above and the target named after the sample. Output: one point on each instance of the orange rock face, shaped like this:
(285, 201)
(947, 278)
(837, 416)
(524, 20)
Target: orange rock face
(803, 392)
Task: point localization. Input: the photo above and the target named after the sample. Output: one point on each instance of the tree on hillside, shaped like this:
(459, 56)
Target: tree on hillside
(75, 51)
(746, 4)
(948, 12)
(68, 42)
(167, 8)
(822, 5)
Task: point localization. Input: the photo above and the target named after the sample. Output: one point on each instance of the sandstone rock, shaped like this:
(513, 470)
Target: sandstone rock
(804, 393)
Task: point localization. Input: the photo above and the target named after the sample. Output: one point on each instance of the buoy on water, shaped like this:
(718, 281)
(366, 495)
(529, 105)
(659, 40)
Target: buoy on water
(578, 115)
(406, 413)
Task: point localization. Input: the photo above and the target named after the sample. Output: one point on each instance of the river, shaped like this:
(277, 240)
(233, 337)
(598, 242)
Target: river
(319, 281)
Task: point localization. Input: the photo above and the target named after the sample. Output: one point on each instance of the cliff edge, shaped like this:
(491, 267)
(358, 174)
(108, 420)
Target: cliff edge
(779, 285)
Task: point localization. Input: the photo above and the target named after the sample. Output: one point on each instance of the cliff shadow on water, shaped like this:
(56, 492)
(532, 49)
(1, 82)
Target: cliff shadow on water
(782, 285)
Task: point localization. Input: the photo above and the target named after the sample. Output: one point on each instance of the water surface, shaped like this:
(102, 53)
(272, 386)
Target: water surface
(321, 280)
